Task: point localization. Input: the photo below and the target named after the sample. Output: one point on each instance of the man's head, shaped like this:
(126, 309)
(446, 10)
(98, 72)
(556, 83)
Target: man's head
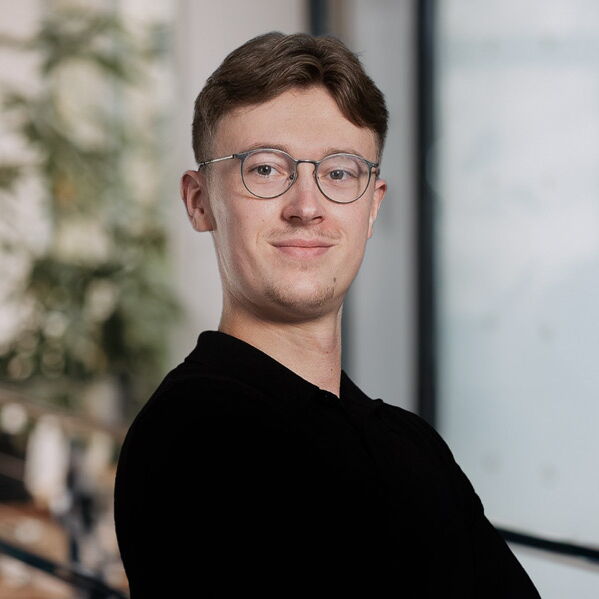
(267, 65)
(291, 257)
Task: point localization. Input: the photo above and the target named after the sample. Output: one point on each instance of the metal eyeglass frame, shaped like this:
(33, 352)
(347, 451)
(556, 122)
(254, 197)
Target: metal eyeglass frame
(243, 155)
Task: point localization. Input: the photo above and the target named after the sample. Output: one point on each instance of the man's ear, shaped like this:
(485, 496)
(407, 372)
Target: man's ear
(380, 188)
(194, 193)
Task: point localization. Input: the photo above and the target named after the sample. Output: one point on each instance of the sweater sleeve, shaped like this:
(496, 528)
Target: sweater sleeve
(187, 514)
(497, 572)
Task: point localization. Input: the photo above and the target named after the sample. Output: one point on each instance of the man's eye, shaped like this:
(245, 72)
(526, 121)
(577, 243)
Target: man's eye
(338, 175)
(264, 170)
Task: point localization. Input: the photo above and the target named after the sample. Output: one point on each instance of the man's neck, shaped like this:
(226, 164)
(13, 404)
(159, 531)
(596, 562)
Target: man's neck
(311, 349)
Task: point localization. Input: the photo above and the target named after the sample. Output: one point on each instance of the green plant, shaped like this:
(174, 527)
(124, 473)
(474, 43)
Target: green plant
(94, 297)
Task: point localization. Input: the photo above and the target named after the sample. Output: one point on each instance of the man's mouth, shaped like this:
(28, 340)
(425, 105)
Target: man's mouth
(303, 248)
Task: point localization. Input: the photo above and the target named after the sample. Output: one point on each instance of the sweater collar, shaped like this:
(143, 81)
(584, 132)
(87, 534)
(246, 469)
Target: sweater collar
(232, 358)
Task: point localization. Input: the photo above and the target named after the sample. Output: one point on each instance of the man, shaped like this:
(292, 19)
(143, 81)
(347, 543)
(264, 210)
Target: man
(258, 467)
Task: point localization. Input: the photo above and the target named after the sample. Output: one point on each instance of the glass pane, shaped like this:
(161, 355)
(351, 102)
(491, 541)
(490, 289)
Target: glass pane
(518, 258)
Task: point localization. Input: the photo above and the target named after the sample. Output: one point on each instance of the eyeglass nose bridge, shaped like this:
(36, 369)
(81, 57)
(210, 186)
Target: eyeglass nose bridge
(294, 175)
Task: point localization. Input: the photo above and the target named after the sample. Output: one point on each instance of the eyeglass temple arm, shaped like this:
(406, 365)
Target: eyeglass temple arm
(205, 162)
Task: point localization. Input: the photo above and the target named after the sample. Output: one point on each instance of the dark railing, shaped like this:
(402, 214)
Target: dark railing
(559, 547)
(73, 575)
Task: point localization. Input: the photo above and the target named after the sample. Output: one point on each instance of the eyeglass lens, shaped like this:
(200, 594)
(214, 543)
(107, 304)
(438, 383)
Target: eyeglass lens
(340, 177)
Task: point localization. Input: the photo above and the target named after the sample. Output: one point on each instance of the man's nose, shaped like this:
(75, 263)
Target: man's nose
(304, 202)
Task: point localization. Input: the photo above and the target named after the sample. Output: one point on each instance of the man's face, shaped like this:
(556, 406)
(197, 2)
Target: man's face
(293, 257)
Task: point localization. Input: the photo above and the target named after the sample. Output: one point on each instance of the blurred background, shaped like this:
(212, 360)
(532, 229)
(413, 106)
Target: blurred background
(476, 305)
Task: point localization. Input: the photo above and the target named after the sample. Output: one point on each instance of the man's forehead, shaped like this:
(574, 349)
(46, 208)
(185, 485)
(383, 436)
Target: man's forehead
(296, 118)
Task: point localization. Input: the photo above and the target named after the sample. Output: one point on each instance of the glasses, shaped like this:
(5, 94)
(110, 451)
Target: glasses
(268, 173)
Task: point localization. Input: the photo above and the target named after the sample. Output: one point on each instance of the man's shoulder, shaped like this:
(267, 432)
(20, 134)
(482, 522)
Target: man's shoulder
(187, 395)
(197, 405)
(415, 431)
(409, 420)
(205, 418)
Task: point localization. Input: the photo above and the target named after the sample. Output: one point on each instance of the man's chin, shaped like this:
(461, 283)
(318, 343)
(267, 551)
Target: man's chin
(296, 301)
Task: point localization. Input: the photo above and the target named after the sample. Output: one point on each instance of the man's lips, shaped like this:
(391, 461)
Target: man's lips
(303, 248)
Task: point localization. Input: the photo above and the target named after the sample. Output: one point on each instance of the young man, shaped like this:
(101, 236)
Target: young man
(258, 467)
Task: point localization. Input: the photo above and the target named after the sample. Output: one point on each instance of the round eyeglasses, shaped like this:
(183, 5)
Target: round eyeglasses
(268, 173)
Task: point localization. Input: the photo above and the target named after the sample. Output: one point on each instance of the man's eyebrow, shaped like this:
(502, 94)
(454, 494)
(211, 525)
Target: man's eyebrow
(337, 150)
(327, 152)
(266, 145)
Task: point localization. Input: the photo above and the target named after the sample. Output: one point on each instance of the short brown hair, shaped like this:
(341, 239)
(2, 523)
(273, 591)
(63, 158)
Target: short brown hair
(267, 65)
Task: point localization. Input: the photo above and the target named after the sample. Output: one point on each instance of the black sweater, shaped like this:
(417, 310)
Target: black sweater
(239, 477)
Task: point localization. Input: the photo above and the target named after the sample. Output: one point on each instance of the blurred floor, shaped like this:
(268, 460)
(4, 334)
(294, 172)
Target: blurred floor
(26, 526)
